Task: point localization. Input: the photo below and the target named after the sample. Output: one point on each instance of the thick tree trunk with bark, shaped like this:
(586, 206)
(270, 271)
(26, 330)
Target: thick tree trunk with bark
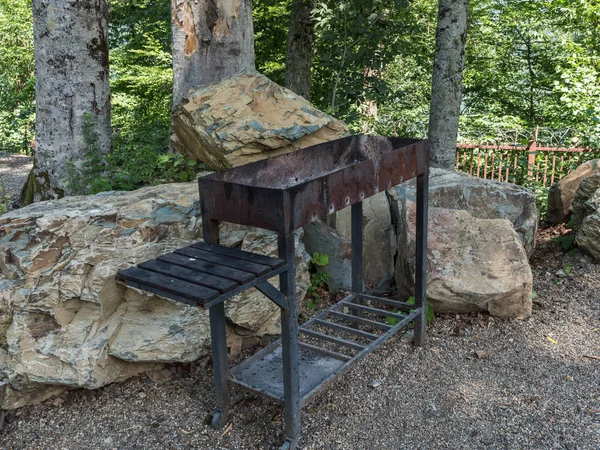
(212, 39)
(299, 48)
(447, 81)
(71, 64)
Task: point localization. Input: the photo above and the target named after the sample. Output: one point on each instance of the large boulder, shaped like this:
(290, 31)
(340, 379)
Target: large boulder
(379, 244)
(473, 264)
(379, 237)
(383, 226)
(588, 235)
(65, 322)
(245, 118)
(483, 199)
(587, 199)
(562, 194)
(586, 215)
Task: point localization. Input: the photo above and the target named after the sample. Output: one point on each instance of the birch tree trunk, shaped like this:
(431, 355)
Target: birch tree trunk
(299, 48)
(212, 39)
(447, 81)
(71, 65)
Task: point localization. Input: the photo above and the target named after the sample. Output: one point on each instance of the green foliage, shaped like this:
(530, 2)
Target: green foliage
(318, 279)
(372, 62)
(429, 313)
(271, 19)
(565, 242)
(319, 259)
(91, 176)
(17, 76)
(141, 89)
(533, 64)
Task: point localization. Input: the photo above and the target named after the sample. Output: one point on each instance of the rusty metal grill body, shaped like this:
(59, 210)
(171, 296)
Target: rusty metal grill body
(282, 194)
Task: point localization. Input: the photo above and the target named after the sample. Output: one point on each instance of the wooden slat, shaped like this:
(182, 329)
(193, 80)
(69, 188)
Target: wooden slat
(246, 266)
(273, 263)
(238, 276)
(222, 285)
(191, 291)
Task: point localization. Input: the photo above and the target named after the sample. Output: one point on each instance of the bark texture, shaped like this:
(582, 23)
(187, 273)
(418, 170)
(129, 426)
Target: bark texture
(212, 39)
(71, 63)
(299, 48)
(446, 87)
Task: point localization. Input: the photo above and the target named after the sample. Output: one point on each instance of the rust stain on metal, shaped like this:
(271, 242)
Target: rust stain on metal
(288, 191)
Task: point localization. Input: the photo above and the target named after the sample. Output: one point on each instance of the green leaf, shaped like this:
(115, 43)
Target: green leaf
(320, 259)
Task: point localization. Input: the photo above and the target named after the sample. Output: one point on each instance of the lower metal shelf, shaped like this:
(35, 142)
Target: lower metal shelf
(329, 343)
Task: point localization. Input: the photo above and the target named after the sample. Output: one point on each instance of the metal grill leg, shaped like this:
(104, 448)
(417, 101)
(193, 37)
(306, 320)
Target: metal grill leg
(218, 334)
(357, 253)
(421, 258)
(289, 342)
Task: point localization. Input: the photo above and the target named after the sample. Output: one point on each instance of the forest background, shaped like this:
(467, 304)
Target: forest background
(528, 64)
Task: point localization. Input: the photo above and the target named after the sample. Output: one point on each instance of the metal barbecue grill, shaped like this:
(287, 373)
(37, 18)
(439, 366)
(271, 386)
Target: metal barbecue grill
(282, 194)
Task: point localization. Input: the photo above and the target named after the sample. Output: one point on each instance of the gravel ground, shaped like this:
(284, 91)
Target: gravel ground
(13, 174)
(532, 388)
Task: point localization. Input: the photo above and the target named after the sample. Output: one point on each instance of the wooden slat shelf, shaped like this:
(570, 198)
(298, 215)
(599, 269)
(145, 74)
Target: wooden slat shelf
(202, 274)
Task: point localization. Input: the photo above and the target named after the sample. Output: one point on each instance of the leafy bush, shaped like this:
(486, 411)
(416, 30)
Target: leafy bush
(17, 76)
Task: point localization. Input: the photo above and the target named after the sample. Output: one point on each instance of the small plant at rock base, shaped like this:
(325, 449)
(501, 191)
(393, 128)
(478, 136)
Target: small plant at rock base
(429, 313)
(317, 279)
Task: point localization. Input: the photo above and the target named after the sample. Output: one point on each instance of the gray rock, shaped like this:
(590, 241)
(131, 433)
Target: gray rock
(321, 238)
(483, 199)
(562, 194)
(379, 237)
(588, 236)
(587, 199)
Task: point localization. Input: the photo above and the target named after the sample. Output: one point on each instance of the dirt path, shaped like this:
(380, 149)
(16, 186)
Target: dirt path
(535, 389)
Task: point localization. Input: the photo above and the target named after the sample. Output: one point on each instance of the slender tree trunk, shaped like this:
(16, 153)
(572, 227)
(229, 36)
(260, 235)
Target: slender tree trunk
(71, 64)
(447, 81)
(299, 48)
(212, 39)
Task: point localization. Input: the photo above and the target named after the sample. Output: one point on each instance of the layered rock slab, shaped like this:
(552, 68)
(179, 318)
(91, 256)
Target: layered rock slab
(246, 118)
(65, 322)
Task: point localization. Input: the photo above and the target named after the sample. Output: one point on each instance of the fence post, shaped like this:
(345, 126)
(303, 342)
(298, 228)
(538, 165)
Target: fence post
(531, 158)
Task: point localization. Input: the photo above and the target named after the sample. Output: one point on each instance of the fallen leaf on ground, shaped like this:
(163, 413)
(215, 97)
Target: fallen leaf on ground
(552, 340)
(592, 357)
(227, 430)
(481, 354)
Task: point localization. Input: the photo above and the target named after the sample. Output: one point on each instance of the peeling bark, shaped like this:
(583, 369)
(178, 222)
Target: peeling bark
(71, 62)
(447, 81)
(299, 48)
(212, 39)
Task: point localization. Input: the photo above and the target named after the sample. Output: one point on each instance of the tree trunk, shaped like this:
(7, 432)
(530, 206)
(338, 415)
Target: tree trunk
(71, 64)
(299, 48)
(212, 39)
(447, 81)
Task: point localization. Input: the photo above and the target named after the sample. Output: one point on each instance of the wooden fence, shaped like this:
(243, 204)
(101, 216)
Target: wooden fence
(521, 164)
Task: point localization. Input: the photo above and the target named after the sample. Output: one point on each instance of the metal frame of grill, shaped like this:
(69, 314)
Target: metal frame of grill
(282, 194)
